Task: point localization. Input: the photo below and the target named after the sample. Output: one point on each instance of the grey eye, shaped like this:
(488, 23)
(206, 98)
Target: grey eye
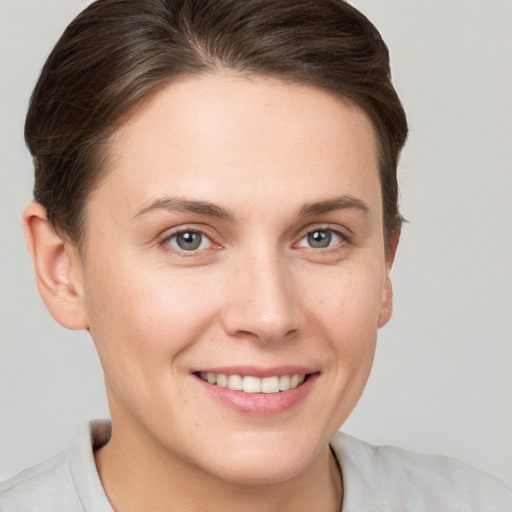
(190, 241)
(321, 239)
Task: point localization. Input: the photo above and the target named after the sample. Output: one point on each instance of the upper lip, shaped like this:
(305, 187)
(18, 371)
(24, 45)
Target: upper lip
(257, 371)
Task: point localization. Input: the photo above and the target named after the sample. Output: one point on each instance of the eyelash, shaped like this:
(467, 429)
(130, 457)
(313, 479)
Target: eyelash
(344, 238)
(165, 241)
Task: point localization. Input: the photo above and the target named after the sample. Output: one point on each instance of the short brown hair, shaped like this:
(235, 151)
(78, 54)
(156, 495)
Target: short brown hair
(118, 53)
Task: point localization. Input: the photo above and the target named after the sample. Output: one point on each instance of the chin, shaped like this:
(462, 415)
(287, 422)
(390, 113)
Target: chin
(264, 460)
(260, 472)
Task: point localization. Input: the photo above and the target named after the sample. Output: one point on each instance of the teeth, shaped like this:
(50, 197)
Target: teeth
(222, 380)
(284, 383)
(270, 385)
(235, 382)
(250, 384)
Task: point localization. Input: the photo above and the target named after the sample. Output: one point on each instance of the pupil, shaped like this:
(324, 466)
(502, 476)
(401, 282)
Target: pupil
(319, 239)
(189, 241)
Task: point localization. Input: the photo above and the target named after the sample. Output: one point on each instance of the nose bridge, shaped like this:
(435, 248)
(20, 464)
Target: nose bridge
(262, 301)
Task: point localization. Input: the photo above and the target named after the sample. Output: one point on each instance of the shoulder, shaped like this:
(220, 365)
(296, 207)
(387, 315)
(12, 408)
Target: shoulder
(388, 478)
(67, 482)
(40, 488)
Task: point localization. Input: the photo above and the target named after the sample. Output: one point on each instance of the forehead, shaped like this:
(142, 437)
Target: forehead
(206, 134)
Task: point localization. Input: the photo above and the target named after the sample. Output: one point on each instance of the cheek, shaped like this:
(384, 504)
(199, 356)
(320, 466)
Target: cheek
(347, 302)
(346, 314)
(141, 321)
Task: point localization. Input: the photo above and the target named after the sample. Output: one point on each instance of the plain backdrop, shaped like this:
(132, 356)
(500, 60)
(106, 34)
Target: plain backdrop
(442, 379)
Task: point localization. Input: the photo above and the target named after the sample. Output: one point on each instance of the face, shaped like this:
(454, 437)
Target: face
(237, 242)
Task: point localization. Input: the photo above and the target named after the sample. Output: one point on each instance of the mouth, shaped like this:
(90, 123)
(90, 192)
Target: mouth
(258, 391)
(252, 384)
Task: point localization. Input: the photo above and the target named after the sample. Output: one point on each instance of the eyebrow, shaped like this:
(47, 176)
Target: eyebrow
(337, 203)
(212, 210)
(180, 204)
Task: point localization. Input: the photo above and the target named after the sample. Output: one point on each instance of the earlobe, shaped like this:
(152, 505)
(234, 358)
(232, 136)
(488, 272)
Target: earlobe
(387, 307)
(387, 293)
(57, 267)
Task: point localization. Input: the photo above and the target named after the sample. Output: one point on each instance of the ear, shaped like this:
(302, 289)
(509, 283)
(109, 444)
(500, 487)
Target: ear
(387, 293)
(58, 269)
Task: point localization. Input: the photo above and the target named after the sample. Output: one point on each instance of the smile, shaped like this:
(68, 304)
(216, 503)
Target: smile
(252, 384)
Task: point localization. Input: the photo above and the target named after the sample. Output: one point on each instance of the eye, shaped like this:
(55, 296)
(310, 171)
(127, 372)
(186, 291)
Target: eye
(321, 239)
(189, 240)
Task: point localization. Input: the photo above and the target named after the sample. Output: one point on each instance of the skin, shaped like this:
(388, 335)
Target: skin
(255, 293)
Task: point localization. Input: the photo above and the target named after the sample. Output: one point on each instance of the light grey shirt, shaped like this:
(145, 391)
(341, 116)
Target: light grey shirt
(375, 479)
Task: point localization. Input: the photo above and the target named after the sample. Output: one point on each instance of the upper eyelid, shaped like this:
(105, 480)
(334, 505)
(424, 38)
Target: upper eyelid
(344, 232)
(170, 232)
(164, 239)
(163, 243)
(341, 236)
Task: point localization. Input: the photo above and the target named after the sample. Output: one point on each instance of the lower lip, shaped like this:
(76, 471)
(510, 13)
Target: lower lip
(260, 404)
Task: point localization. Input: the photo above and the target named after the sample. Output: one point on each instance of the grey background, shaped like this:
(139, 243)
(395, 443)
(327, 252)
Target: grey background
(442, 377)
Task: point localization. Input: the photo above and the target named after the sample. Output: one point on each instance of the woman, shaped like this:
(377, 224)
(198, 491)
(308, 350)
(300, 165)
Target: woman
(216, 202)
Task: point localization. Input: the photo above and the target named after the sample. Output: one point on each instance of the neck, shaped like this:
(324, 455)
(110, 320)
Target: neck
(164, 482)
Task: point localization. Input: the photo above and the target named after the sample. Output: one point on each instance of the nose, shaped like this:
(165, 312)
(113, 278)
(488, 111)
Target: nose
(262, 303)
